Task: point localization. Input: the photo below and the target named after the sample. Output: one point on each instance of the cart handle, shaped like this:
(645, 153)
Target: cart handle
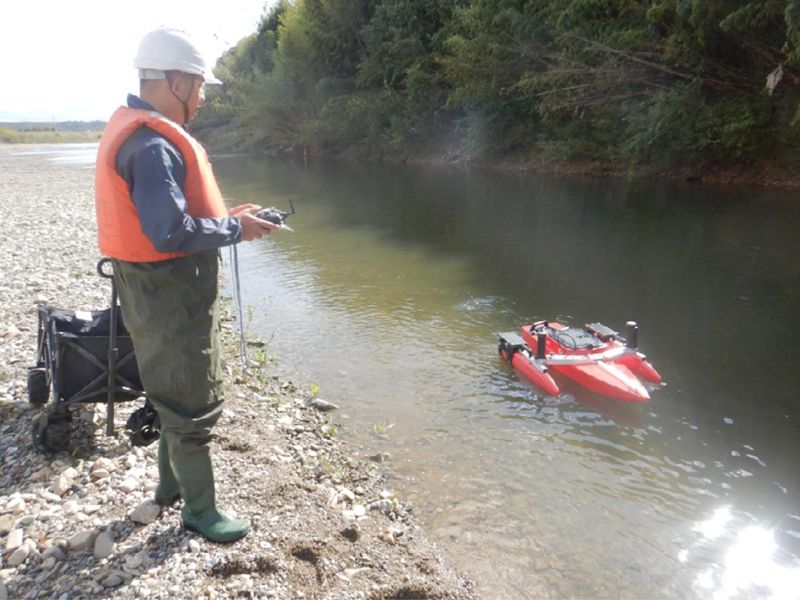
(101, 271)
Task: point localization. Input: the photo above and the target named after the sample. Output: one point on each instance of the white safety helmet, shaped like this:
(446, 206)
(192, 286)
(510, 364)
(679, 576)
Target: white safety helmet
(166, 49)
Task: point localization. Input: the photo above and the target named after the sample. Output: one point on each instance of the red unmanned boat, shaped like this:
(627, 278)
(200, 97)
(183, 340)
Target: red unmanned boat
(595, 357)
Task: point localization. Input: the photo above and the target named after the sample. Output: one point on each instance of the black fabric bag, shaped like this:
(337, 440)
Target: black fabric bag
(77, 343)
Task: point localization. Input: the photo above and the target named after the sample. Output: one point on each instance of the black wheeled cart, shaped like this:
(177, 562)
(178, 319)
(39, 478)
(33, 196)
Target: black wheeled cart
(85, 357)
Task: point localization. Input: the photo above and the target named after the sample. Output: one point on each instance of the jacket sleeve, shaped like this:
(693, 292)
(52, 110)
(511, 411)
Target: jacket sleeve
(154, 170)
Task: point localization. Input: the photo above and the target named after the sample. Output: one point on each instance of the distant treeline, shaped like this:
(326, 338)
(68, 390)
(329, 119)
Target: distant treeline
(29, 126)
(647, 82)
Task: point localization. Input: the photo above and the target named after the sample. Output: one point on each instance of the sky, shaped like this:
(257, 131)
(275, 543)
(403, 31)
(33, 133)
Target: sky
(73, 60)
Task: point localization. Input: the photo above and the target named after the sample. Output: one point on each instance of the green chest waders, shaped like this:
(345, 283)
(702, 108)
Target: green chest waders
(171, 311)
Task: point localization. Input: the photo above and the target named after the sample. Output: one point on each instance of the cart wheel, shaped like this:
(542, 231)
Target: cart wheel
(51, 434)
(144, 426)
(145, 436)
(38, 386)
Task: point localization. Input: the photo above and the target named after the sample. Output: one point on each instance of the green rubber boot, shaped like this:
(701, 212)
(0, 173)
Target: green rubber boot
(191, 460)
(167, 491)
(215, 525)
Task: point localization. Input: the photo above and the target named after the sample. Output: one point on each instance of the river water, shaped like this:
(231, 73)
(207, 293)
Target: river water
(389, 295)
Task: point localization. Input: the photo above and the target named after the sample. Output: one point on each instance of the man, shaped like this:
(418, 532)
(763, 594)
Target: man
(161, 217)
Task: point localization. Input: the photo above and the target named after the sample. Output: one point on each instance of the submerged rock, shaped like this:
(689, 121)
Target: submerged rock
(323, 405)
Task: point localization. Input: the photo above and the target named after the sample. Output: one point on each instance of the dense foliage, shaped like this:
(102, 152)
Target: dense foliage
(664, 82)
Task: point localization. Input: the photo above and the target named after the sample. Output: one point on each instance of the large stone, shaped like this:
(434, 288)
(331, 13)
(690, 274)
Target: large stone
(81, 541)
(146, 512)
(19, 556)
(103, 463)
(14, 540)
(61, 485)
(16, 506)
(6, 523)
(70, 473)
(323, 405)
(103, 545)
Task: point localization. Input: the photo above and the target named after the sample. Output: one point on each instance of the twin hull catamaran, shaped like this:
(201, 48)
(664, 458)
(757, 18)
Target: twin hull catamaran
(595, 357)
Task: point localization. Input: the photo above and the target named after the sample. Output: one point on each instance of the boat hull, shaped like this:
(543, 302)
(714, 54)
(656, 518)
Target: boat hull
(526, 366)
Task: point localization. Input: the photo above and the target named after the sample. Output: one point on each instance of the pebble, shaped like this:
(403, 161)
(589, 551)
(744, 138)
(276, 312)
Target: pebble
(50, 496)
(113, 580)
(332, 498)
(194, 546)
(385, 506)
(128, 485)
(100, 474)
(134, 561)
(103, 463)
(54, 552)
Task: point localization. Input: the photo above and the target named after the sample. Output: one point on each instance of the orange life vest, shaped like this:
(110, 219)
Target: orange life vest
(119, 230)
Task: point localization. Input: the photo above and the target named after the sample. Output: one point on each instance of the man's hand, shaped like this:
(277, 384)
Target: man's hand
(252, 227)
(236, 210)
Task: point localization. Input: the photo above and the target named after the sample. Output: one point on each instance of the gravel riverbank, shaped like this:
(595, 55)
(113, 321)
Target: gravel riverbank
(80, 524)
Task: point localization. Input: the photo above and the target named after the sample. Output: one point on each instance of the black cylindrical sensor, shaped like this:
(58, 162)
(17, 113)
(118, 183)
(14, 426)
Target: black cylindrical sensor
(632, 334)
(541, 341)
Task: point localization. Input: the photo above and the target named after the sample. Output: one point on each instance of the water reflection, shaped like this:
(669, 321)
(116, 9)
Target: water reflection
(83, 154)
(751, 561)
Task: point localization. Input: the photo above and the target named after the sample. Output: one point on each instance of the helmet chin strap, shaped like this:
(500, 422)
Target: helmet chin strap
(184, 102)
